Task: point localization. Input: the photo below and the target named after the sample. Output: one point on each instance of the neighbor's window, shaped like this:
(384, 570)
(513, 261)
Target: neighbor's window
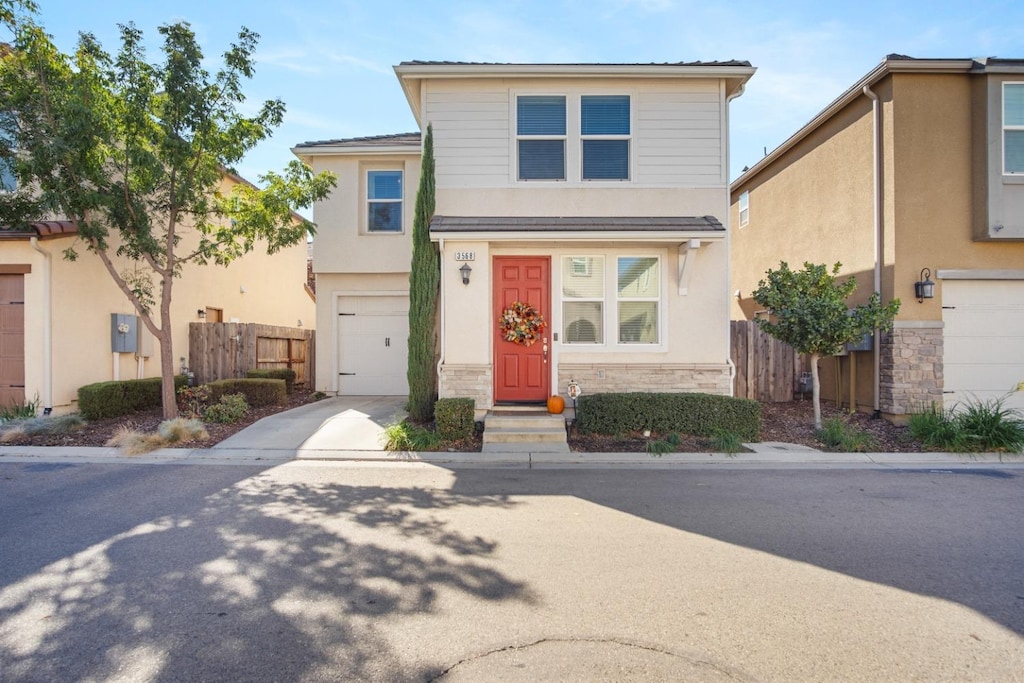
(583, 299)
(1013, 128)
(540, 131)
(638, 294)
(384, 201)
(604, 136)
(744, 208)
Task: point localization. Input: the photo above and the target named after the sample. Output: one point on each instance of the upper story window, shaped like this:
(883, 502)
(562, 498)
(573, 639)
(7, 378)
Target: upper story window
(744, 208)
(540, 133)
(604, 137)
(1013, 128)
(384, 201)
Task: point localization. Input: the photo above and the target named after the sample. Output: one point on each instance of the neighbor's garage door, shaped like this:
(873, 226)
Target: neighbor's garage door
(12, 339)
(373, 334)
(983, 340)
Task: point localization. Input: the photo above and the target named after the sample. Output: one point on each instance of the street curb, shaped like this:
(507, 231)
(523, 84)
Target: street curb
(253, 456)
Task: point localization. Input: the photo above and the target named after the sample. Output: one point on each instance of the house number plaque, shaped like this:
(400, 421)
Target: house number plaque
(465, 256)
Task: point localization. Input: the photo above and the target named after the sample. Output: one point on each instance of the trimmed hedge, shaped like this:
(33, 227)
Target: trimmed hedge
(275, 373)
(453, 418)
(696, 414)
(123, 397)
(257, 392)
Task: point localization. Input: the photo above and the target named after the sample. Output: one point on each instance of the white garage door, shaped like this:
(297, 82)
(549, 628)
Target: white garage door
(983, 340)
(373, 334)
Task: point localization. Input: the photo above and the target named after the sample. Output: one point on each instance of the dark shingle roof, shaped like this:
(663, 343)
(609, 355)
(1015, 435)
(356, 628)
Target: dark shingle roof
(410, 139)
(574, 224)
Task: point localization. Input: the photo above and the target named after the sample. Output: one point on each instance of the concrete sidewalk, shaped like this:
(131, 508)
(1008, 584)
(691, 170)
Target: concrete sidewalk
(349, 428)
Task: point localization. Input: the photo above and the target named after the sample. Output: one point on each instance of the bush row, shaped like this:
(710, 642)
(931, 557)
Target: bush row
(113, 399)
(257, 392)
(276, 373)
(453, 418)
(696, 414)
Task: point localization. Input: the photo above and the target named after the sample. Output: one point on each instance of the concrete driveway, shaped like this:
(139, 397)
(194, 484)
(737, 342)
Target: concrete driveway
(350, 423)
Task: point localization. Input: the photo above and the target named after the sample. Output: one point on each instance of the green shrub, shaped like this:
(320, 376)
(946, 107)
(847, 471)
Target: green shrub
(276, 373)
(659, 447)
(113, 399)
(193, 401)
(230, 408)
(257, 392)
(840, 437)
(19, 411)
(725, 441)
(696, 414)
(976, 426)
(405, 436)
(453, 418)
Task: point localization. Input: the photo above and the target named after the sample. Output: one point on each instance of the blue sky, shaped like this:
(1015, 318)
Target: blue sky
(331, 61)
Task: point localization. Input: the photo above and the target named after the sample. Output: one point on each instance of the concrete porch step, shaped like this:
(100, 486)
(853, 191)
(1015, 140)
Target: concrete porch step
(524, 430)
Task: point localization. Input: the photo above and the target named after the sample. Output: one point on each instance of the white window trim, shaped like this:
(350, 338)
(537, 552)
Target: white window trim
(366, 201)
(628, 138)
(1006, 127)
(744, 208)
(610, 302)
(517, 137)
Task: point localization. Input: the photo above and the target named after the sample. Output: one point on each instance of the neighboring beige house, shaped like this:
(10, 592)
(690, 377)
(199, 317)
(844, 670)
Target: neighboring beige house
(56, 327)
(919, 165)
(595, 193)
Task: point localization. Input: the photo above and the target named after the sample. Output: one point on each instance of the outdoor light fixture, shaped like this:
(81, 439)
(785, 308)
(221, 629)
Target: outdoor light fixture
(465, 270)
(924, 288)
(201, 313)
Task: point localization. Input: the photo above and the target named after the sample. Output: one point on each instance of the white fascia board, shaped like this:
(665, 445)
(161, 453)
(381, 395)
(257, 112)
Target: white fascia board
(578, 236)
(348, 150)
(570, 70)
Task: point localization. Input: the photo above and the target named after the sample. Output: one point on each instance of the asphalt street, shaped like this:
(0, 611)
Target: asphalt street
(328, 571)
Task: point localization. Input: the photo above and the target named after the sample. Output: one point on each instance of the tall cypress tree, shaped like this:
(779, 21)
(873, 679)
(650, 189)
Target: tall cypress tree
(424, 279)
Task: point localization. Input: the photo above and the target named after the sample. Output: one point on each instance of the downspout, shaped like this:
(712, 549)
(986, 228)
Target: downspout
(728, 237)
(440, 303)
(876, 154)
(47, 329)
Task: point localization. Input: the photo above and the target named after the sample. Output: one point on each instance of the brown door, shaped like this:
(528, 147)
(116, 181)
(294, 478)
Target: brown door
(12, 340)
(521, 373)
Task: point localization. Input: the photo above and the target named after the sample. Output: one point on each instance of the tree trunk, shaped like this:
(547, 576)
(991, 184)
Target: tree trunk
(816, 390)
(168, 397)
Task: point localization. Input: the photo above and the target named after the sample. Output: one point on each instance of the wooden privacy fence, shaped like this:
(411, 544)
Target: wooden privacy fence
(229, 350)
(767, 369)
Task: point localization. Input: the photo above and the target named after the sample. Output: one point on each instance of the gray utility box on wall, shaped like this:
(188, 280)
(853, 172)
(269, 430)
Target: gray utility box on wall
(124, 333)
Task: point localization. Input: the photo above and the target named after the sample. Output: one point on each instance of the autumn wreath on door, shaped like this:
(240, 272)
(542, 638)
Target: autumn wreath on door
(521, 323)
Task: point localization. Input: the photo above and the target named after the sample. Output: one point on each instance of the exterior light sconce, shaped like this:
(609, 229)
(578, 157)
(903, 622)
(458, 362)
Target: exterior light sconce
(924, 288)
(201, 313)
(465, 270)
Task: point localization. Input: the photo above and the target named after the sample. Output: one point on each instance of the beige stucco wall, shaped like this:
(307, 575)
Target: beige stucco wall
(341, 244)
(84, 296)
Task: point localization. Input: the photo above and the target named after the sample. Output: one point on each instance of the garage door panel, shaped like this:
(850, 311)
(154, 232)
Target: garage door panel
(983, 341)
(373, 345)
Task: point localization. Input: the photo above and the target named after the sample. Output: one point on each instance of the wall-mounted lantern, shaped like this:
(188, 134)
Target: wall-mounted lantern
(924, 288)
(201, 313)
(465, 270)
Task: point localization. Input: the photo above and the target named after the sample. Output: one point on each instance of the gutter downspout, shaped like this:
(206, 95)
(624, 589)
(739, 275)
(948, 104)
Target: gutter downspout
(876, 115)
(728, 236)
(47, 329)
(441, 304)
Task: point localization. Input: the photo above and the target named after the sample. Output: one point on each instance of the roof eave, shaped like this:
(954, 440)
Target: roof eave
(646, 236)
(885, 68)
(349, 150)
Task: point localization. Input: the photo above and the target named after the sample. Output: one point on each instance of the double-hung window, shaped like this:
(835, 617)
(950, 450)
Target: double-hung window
(744, 208)
(604, 137)
(540, 137)
(384, 201)
(638, 292)
(1013, 128)
(583, 299)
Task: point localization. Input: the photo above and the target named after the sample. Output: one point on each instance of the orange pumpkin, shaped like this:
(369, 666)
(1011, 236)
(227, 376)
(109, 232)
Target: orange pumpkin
(556, 404)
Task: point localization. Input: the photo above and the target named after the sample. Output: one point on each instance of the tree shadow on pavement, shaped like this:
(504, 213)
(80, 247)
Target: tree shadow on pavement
(261, 580)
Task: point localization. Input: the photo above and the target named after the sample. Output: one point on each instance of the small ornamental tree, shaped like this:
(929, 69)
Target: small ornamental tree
(807, 309)
(135, 153)
(424, 279)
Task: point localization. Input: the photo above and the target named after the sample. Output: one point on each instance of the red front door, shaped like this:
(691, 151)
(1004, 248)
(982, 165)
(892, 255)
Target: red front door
(521, 373)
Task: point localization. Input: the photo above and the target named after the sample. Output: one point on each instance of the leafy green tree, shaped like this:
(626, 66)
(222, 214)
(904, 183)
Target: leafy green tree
(807, 310)
(136, 154)
(424, 279)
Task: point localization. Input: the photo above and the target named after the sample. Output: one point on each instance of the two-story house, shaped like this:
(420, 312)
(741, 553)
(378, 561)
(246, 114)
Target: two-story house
(592, 195)
(913, 179)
